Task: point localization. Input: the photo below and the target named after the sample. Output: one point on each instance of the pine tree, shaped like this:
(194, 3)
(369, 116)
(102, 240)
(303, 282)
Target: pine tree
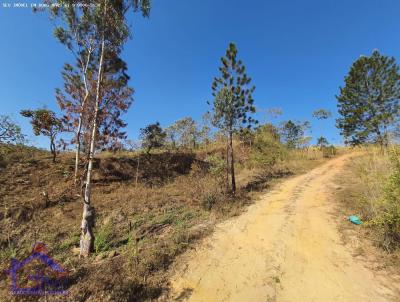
(293, 133)
(369, 101)
(233, 102)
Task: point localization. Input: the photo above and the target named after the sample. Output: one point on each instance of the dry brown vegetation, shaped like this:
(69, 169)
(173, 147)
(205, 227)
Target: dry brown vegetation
(140, 228)
(364, 190)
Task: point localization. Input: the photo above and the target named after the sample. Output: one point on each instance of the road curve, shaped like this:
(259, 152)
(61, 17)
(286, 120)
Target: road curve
(285, 247)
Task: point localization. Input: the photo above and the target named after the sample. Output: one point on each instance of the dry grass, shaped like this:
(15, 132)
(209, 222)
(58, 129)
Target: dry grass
(140, 228)
(361, 191)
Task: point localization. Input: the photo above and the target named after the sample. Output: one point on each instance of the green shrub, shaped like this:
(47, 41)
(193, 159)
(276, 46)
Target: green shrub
(69, 242)
(217, 165)
(8, 252)
(103, 238)
(267, 149)
(328, 151)
(209, 200)
(389, 217)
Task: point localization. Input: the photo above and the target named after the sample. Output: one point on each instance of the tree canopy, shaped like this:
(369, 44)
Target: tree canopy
(183, 132)
(293, 133)
(10, 132)
(45, 122)
(322, 114)
(322, 142)
(152, 136)
(233, 100)
(369, 101)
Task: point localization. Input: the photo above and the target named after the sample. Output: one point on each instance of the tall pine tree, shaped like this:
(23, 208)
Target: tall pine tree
(233, 103)
(369, 101)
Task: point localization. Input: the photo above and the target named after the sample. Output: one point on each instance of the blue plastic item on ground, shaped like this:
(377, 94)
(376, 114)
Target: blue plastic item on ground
(354, 219)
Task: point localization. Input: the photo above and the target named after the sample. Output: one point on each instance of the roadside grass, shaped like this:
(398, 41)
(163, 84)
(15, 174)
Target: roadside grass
(370, 188)
(140, 227)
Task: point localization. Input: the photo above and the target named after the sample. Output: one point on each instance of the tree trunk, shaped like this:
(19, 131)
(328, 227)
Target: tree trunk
(232, 164)
(385, 136)
(78, 148)
(227, 166)
(380, 139)
(53, 149)
(78, 132)
(78, 140)
(87, 236)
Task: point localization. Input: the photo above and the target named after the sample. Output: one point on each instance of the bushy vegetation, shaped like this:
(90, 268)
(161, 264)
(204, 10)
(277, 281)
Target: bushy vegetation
(267, 148)
(10, 132)
(374, 193)
(387, 218)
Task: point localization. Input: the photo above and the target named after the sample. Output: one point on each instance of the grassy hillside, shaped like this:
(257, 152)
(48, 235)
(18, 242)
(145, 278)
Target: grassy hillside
(141, 225)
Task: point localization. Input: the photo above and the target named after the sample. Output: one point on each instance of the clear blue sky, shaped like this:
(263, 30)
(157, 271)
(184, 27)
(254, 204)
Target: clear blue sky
(296, 51)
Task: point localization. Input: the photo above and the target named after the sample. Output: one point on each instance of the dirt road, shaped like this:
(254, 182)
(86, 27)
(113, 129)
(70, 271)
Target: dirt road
(286, 247)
